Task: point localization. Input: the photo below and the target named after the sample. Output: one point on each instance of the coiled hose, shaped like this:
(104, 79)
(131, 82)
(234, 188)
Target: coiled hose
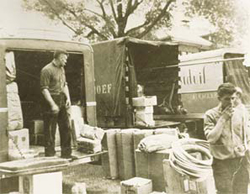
(184, 163)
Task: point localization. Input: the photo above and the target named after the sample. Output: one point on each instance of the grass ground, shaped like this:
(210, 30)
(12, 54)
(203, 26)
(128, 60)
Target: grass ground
(94, 177)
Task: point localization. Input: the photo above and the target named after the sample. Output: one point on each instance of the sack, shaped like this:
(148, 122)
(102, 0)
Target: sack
(92, 132)
(155, 143)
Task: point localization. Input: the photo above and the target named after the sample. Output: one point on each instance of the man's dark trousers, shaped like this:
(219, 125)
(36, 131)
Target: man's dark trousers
(50, 124)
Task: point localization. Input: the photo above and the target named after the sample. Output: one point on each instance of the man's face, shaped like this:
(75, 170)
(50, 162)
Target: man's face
(228, 100)
(63, 59)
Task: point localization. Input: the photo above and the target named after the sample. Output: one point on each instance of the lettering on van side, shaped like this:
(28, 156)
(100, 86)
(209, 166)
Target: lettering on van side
(191, 78)
(104, 89)
(201, 77)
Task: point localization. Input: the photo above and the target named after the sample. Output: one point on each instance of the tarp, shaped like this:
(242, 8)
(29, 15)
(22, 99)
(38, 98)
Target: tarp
(237, 74)
(137, 61)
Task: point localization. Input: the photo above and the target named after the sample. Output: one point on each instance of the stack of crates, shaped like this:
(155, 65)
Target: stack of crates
(144, 110)
(36, 132)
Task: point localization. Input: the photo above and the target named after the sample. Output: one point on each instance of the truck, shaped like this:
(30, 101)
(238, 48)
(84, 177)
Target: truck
(201, 74)
(29, 56)
(124, 65)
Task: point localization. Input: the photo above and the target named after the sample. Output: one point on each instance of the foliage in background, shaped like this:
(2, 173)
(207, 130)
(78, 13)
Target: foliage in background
(221, 13)
(107, 19)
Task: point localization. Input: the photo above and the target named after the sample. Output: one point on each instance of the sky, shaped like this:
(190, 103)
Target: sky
(14, 19)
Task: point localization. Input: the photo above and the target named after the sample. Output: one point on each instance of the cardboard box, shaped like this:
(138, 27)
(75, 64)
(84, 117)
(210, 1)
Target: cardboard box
(144, 119)
(77, 117)
(139, 135)
(125, 154)
(136, 185)
(41, 183)
(149, 165)
(144, 109)
(144, 101)
(36, 127)
(109, 160)
(170, 131)
(181, 184)
(88, 145)
(19, 138)
(23, 154)
(37, 139)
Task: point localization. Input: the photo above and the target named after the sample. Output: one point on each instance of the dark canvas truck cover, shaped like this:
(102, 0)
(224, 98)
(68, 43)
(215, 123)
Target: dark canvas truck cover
(202, 73)
(120, 65)
(78, 50)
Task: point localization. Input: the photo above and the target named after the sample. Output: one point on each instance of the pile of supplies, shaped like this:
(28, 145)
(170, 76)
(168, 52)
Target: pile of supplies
(90, 139)
(144, 110)
(18, 136)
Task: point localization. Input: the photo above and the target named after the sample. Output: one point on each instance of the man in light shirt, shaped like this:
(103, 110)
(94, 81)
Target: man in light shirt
(226, 129)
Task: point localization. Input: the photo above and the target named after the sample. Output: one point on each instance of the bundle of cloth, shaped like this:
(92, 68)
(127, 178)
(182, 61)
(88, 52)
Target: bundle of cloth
(90, 139)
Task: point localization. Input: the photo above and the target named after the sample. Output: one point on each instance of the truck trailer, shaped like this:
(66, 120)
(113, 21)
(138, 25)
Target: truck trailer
(201, 74)
(125, 65)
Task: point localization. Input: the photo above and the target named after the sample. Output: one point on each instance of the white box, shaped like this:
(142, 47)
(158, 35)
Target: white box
(41, 183)
(19, 138)
(144, 109)
(144, 119)
(145, 101)
(136, 185)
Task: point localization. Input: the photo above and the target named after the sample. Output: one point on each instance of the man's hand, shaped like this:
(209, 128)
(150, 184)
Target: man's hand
(228, 112)
(68, 103)
(54, 109)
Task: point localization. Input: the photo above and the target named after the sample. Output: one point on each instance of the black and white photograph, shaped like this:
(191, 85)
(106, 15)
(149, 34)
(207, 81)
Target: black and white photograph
(124, 97)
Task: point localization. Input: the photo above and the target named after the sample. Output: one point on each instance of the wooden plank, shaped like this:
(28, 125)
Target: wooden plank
(180, 117)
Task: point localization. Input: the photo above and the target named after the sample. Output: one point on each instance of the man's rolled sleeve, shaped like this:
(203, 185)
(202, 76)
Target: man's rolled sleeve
(208, 124)
(44, 79)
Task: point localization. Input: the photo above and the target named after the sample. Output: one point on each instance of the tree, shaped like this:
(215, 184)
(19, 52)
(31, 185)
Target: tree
(221, 13)
(108, 19)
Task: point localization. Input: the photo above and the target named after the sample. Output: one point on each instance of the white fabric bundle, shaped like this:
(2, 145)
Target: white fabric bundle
(155, 143)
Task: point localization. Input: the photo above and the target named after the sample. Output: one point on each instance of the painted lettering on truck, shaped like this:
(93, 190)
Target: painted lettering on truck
(103, 89)
(200, 77)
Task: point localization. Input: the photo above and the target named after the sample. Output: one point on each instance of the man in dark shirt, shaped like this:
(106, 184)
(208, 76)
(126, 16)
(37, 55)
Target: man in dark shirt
(57, 104)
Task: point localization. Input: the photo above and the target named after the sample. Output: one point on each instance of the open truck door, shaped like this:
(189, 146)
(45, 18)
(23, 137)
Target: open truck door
(124, 63)
(30, 56)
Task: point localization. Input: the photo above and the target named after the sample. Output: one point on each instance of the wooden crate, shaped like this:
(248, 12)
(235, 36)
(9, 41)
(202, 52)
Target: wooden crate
(125, 154)
(182, 184)
(149, 165)
(136, 185)
(109, 159)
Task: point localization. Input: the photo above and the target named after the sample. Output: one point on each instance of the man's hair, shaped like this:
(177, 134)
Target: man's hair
(225, 89)
(57, 53)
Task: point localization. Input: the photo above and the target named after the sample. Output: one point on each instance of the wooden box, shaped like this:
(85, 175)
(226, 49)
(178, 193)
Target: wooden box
(136, 185)
(145, 101)
(182, 184)
(41, 183)
(109, 160)
(36, 127)
(19, 138)
(125, 153)
(149, 165)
